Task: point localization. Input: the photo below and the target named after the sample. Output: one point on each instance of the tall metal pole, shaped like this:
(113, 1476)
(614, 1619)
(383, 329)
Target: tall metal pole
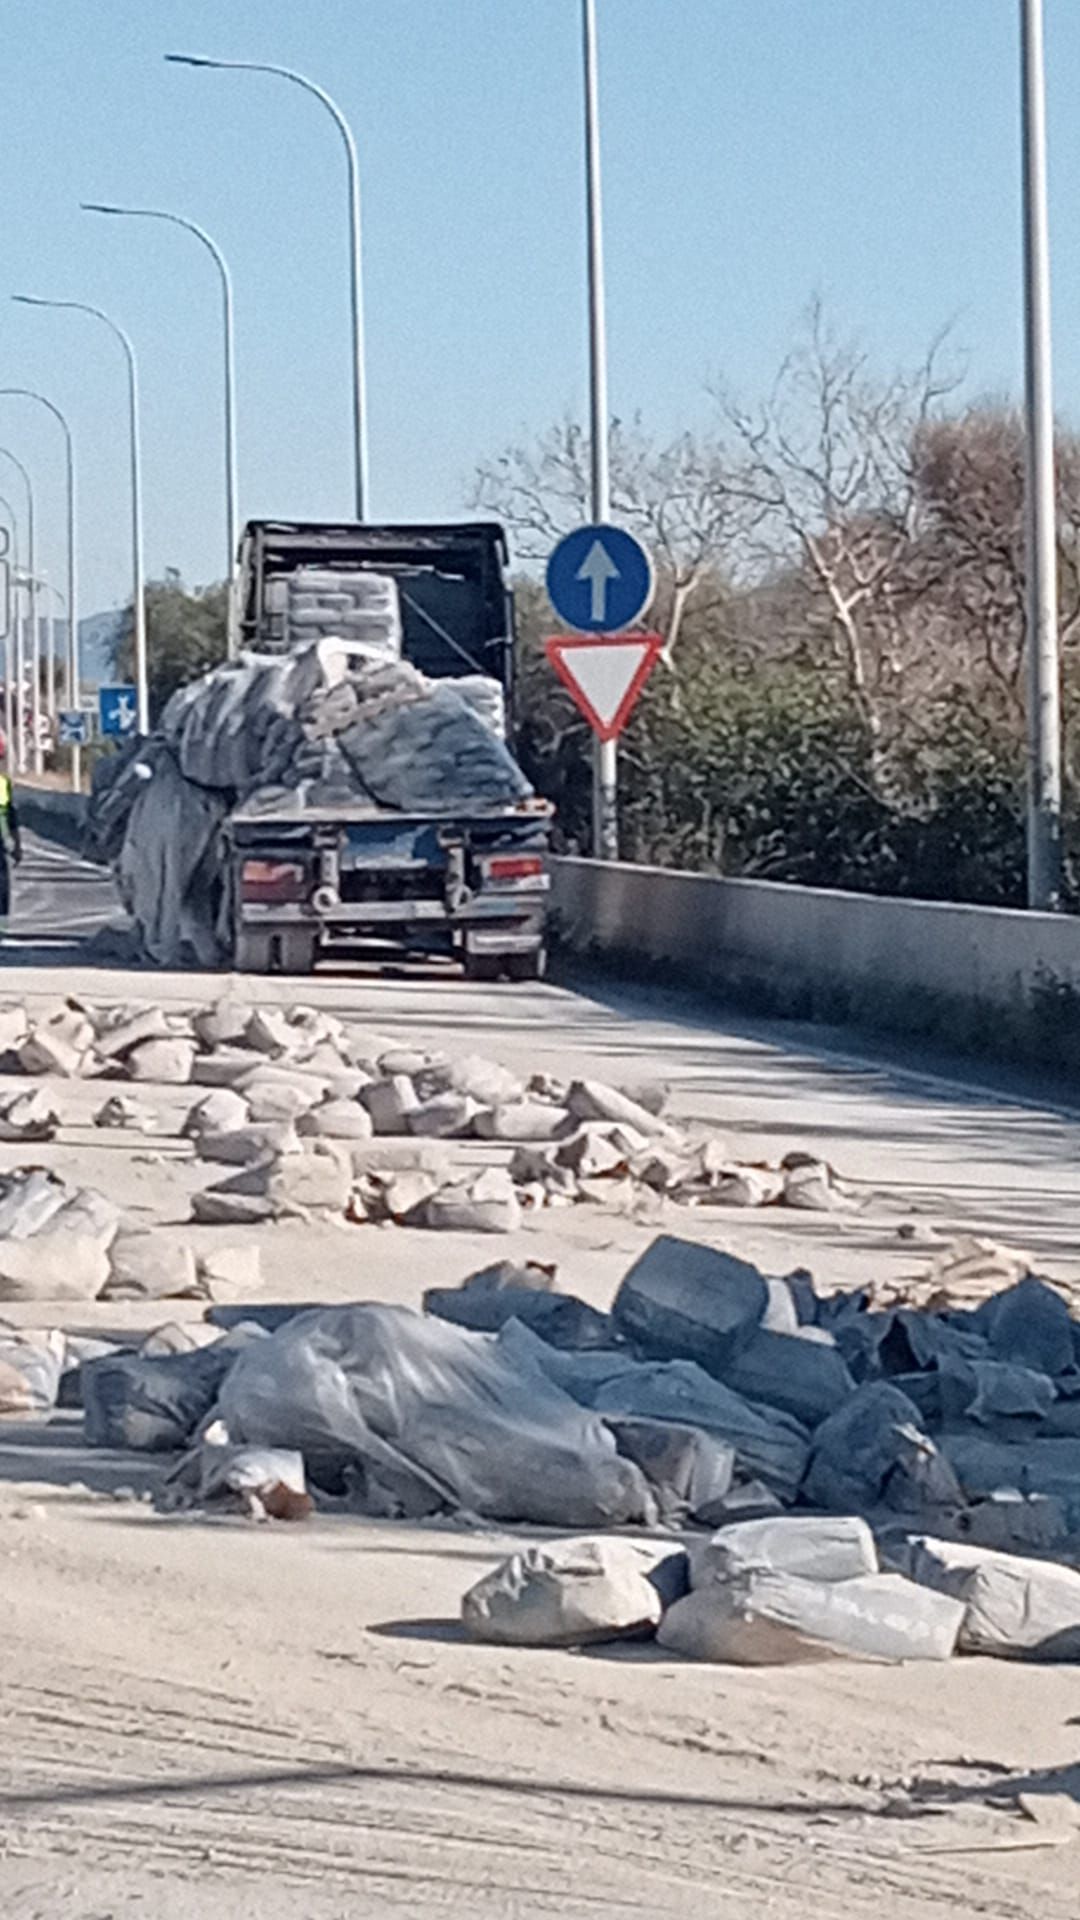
(73, 673)
(356, 291)
(44, 585)
(1044, 715)
(605, 756)
(20, 639)
(9, 645)
(138, 594)
(212, 248)
(52, 595)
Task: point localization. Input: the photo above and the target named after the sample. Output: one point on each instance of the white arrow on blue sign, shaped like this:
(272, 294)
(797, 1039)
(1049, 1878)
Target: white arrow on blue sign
(117, 711)
(599, 579)
(72, 728)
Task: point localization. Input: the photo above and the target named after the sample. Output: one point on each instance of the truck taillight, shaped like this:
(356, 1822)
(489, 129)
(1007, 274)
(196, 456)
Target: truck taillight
(513, 866)
(271, 881)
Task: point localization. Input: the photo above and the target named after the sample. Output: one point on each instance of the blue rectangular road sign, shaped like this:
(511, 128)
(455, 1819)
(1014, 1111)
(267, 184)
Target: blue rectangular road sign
(117, 711)
(73, 728)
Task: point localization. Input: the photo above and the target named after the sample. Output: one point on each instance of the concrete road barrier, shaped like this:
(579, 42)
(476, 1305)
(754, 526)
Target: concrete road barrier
(982, 979)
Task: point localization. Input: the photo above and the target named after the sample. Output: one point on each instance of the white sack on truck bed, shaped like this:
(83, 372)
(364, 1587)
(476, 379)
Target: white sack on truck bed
(322, 726)
(348, 603)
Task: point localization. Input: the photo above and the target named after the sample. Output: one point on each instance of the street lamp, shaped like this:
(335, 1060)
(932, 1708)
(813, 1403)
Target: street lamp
(9, 668)
(360, 449)
(73, 676)
(1044, 667)
(137, 592)
(42, 581)
(605, 752)
(20, 639)
(190, 226)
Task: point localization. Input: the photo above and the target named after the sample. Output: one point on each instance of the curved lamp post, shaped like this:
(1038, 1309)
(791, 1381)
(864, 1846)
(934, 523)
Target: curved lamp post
(29, 393)
(212, 248)
(20, 638)
(9, 666)
(360, 448)
(137, 589)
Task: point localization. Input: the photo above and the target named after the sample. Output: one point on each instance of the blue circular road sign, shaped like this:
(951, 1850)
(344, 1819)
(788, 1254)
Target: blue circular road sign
(599, 579)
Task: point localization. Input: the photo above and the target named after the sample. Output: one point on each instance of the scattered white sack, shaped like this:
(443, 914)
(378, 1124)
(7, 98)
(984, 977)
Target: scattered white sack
(30, 1369)
(263, 1482)
(268, 1031)
(275, 1093)
(169, 1062)
(390, 1103)
(760, 1619)
(245, 1146)
(150, 1266)
(14, 1026)
(447, 1116)
(68, 1258)
(61, 1044)
(572, 1593)
(229, 1273)
(223, 1023)
(123, 1028)
(594, 1100)
(217, 1112)
(123, 1112)
(1013, 1606)
(826, 1548)
(335, 1120)
(28, 1116)
(521, 1120)
(487, 1203)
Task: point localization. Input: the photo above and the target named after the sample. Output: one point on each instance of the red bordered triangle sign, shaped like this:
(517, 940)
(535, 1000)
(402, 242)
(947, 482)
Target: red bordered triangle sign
(604, 674)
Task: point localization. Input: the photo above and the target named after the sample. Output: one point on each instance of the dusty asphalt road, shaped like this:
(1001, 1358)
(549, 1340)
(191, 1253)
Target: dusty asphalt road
(201, 1717)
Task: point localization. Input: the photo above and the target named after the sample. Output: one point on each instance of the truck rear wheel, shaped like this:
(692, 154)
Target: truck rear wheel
(483, 967)
(526, 966)
(514, 966)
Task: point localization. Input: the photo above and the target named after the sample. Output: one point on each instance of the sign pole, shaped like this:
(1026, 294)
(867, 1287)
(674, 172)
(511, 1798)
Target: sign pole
(605, 837)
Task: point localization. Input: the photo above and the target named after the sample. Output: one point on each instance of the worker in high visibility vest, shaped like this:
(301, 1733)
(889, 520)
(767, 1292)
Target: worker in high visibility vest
(10, 843)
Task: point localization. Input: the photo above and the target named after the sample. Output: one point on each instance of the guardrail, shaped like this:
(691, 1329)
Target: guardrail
(983, 979)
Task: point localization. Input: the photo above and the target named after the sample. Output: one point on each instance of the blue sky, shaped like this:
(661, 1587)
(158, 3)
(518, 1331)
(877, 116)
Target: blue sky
(754, 151)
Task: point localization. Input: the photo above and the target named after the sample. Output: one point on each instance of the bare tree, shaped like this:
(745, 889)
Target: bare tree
(970, 474)
(675, 496)
(829, 476)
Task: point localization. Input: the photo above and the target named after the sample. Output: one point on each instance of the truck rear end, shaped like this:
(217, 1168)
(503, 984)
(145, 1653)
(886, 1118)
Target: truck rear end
(474, 888)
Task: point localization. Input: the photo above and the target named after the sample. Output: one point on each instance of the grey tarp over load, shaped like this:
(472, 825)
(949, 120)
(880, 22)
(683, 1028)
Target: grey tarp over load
(330, 723)
(422, 1417)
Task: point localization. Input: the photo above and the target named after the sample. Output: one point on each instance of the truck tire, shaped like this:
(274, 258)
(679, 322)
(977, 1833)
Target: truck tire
(526, 966)
(289, 951)
(482, 967)
(252, 952)
(298, 950)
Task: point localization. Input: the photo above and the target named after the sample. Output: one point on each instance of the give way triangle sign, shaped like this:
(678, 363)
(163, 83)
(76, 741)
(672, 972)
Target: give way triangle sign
(604, 675)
